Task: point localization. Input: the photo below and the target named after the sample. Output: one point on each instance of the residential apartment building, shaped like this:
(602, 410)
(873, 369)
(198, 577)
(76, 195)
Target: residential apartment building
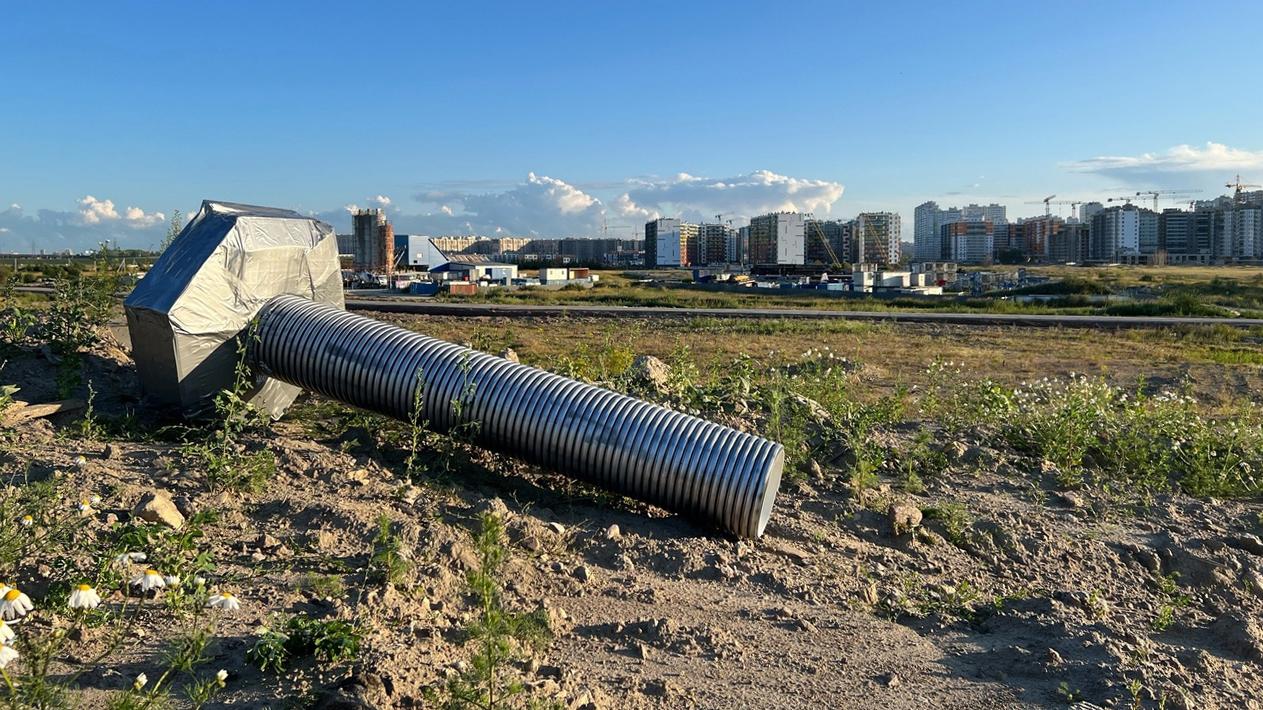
(1037, 232)
(1124, 233)
(1070, 244)
(971, 242)
(928, 221)
(670, 242)
(712, 244)
(875, 239)
(828, 241)
(777, 239)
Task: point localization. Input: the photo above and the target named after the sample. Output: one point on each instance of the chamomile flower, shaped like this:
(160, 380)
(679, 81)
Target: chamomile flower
(15, 604)
(225, 601)
(172, 580)
(129, 557)
(85, 508)
(84, 597)
(6, 632)
(221, 676)
(95, 500)
(150, 580)
(81, 461)
(8, 654)
(27, 521)
(140, 682)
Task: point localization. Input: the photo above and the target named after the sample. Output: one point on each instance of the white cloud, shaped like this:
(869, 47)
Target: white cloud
(742, 196)
(1179, 160)
(542, 205)
(4, 230)
(15, 207)
(380, 200)
(94, 211)
(136, 217)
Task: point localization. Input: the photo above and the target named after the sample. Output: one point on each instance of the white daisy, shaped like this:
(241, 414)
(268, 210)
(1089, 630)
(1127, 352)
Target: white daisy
(151, 579)
(84, 508)
(140, 681)
(6, 632)
(27, 521)
(225, 601)
(221, 676)
(129, 557)
(84, 597)
(15, 604)
(8, 654)
(81, 461)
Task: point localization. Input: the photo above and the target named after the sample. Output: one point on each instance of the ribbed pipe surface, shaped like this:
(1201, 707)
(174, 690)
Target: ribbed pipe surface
(697, 468)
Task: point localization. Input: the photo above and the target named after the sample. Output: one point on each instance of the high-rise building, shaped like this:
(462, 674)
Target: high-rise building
(372, 241)
(875, 239)
(1088, 209)
(1125, 233)
(670, 242)
(929, 220)
(1036, 234)
(1243, 232)
(712, 244)
(777, 239)
(739, 246)
(828, 241)
(968, 242)
(1069, 244)
(1175, 236)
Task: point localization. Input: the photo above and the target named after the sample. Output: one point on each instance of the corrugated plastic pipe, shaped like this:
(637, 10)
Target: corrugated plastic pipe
(697, 468)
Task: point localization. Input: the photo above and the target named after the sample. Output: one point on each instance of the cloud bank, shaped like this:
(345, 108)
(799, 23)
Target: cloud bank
(540, 205)
(1181, 160)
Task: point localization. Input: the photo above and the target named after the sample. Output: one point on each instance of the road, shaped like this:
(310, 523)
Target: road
(448, 308)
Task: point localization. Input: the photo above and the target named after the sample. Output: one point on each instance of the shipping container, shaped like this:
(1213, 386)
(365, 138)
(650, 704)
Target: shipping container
(462, 288)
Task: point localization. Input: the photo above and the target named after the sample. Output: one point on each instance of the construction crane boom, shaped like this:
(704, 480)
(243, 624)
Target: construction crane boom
(1239, 187)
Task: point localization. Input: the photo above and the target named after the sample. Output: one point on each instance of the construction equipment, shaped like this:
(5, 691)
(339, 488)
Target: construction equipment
(1239, 187)
(1170, 194)
(1046, 202)
(268, 280)
(833, 257)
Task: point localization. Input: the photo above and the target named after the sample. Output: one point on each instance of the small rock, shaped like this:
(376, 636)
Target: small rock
(1253, 581)
(1054, 658)
(156, 507)
(109, 452)
(652, 371)
(956, 450)
(582, 573)
(612, 532)
(807, 626)
(642, 651)
(868, 593)
(531, 543)
(904, 518)
(509, 354)
(557, 528)
(267, 542)
(892, 680)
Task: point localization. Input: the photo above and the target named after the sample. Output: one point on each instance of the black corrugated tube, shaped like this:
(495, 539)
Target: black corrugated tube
(697, 468)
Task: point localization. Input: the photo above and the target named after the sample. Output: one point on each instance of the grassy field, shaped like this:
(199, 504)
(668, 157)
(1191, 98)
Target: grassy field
(1156, 291)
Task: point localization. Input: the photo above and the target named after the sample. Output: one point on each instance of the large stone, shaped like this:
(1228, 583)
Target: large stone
(157, 507)
(904, 518)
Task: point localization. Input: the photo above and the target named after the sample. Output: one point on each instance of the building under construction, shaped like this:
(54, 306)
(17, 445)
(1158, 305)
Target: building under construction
(372, 242)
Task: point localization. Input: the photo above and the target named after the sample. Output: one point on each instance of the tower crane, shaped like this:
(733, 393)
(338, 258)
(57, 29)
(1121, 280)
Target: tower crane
(1172, 194)
(1239, 187)
(1047, 202)
(833, 257)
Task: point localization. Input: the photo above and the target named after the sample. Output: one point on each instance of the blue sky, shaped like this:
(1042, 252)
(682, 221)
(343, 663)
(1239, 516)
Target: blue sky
(548, 117)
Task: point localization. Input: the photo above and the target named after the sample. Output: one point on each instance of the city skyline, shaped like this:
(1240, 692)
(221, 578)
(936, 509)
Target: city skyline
(567, 119)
